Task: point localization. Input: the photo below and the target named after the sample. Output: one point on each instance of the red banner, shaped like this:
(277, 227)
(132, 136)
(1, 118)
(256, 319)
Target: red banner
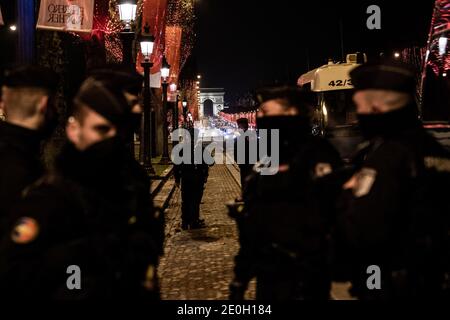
(66, 15)
(173, 50)
(154, 13)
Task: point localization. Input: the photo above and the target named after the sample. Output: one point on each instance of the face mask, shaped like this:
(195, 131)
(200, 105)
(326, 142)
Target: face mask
(97, 156)
(387, 124)
(104, 152)
(291, 131)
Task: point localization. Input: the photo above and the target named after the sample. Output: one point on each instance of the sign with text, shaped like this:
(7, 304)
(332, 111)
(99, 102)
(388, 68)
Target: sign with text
(66, 15)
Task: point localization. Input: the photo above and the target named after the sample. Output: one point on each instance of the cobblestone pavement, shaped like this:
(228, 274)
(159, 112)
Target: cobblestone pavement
(198, 265)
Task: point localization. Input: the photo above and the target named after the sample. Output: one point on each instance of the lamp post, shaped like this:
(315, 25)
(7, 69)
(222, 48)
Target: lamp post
(165, 72)
(127, 14)
(147, 41)
(175, 113)
(174, 93)
(184, 103)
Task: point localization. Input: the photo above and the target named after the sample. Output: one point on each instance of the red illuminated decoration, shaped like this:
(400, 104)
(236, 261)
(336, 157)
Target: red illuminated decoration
(173, 51)
(438, 55)
(435, 78)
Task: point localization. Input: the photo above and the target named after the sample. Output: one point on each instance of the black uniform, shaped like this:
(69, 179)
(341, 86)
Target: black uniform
(82, 214)
(20, 162)
(193, 177)
(20, 165)
(92, 211)
(397, 214)
(284, 227)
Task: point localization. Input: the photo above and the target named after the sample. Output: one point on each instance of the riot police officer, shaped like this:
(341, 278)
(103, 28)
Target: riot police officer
(30, 115)
(283, 222)
(395, 207)
(78, 215)
(121, 79)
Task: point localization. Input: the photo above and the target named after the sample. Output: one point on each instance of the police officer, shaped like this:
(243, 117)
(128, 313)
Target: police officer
(130, 82)
(283, 222)
(78, 215)
(395, 207)
(245, 166)
(192, 174)
(121, 79)
(27, 103)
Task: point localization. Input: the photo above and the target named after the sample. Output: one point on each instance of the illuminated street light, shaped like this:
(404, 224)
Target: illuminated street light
(147, 42)
(127, 12)
(13, 27)
(165, 69)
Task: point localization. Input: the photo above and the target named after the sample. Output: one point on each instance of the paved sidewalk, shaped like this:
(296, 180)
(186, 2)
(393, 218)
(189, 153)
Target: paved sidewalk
(198, 265)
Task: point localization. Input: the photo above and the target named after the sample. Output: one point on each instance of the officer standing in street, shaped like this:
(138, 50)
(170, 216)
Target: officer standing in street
(78, 215)
(192, 176)
(395, 208)
(27, 94)
(283, 223)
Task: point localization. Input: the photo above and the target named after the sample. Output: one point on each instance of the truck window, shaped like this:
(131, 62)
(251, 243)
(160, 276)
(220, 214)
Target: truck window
(338, 108)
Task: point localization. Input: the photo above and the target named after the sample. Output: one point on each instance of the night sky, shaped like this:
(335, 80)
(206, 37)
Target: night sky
(244, 44)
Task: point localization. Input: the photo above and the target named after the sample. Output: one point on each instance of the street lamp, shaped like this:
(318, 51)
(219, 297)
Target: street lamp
(165, 72)
(174, 96)
(173, 90)
(147, 41)
(127, 14)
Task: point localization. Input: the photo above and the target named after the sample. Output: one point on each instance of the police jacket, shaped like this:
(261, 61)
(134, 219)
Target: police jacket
(81, 214)
(286, 215)
(19, 165)
(395, 209)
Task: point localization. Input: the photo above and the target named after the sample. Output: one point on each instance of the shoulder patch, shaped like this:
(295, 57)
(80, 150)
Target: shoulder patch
(25, 231)
(365, 179)
(322, 169)
(439, 164)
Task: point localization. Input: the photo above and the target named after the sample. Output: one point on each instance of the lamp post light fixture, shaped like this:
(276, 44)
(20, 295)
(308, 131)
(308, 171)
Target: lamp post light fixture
(147, 42)
(165, 72)
(127, 14)
(184, 104)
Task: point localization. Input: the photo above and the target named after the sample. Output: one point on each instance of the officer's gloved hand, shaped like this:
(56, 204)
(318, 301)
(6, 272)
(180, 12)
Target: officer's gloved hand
(236, 209)
(237, 290)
